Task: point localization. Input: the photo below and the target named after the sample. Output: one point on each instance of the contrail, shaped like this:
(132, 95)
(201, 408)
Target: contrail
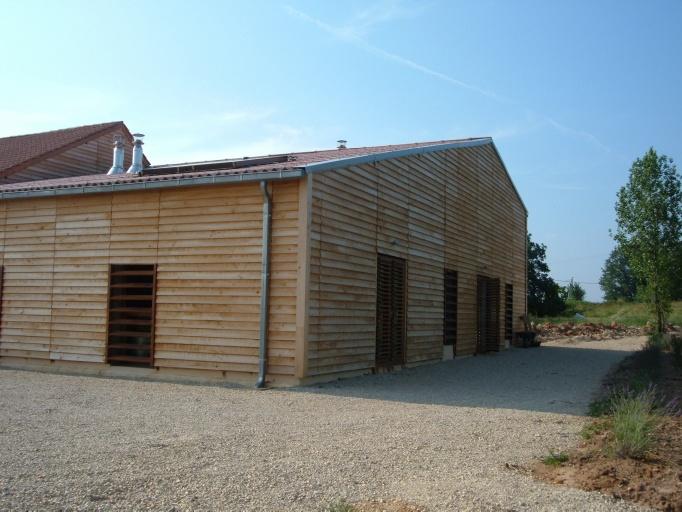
(351, 37)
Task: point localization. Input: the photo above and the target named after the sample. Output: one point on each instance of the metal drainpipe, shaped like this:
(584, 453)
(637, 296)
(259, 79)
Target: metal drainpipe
(265, 286)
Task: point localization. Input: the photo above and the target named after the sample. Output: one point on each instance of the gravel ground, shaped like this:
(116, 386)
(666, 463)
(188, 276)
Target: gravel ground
(439, 436)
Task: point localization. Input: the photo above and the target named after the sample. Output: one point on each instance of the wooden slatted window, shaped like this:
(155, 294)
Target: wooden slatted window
(2, 284)
(488, 314)
(450, 308)
(508, 311)
(390, 334)
(130, 334)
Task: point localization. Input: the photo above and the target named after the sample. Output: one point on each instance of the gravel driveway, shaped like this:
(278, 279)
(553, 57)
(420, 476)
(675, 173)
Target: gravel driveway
(438, 436)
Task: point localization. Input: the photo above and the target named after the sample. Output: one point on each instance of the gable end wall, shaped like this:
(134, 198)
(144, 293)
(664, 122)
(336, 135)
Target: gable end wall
(454, 209)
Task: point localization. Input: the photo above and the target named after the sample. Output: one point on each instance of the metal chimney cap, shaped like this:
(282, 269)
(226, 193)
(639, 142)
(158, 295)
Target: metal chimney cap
(342, 144)
(138, 137)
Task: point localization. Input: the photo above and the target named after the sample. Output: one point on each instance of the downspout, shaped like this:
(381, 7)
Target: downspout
(265, 286)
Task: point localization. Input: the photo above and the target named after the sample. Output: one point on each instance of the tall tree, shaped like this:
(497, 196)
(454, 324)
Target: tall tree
(617, 280)
(543, 292)
(574, 291)
(649, 215)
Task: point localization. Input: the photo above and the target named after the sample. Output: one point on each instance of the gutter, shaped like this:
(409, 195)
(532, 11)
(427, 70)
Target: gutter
(264, 287)
(157, 184)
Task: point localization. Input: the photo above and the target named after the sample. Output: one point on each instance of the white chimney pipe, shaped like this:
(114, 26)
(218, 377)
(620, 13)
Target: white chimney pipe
(136, 167)
(119, 153)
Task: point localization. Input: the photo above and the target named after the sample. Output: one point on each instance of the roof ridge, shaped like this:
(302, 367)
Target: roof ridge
(102, 125)
(424, 143)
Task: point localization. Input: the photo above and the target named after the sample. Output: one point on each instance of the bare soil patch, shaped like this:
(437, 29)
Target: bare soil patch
(656, 479)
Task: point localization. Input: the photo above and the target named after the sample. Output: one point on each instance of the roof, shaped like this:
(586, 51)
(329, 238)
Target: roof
(282, 166)
(21, 151)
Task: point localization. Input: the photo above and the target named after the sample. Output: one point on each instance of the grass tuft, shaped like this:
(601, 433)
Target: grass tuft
(555, 458)
(340, 506)
(634, 421)
(593, 429)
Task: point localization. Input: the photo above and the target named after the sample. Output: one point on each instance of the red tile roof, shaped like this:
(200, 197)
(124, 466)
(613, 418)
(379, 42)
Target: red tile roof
(21, 151)
(295, 161)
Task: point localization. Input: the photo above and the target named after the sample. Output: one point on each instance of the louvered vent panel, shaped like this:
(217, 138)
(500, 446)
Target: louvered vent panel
(450, 308)
(508, 311)
(390, 334)
(488, 313)
(2, 284)
(130, 339)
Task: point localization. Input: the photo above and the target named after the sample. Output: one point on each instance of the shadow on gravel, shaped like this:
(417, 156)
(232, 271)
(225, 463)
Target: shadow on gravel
(546, 379)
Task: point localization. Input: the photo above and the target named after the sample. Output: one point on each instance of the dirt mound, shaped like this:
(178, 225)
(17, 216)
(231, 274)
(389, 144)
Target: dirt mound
(655, 481)
(549, 331)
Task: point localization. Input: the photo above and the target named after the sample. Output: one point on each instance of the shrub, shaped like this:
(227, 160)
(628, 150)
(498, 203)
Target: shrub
(599, 407)
(340, 506)
(634, 420)
(555, 458)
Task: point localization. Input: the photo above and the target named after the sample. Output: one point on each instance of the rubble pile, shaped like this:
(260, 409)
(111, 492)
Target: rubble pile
(588, 330)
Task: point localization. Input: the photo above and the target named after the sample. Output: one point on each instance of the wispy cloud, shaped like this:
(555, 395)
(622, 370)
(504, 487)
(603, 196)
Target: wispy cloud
(353, 36)
(378, 13)
(356, 33)
(245, 116)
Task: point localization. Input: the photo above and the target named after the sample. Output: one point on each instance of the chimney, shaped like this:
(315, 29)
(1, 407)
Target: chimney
(342, 144)
(119, 152)
(136, 167)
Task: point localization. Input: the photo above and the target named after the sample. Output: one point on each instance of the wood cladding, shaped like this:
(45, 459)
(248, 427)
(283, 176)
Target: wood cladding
(206, 243)
(454, 209)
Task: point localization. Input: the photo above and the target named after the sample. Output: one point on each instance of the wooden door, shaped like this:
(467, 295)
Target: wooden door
(390, 335)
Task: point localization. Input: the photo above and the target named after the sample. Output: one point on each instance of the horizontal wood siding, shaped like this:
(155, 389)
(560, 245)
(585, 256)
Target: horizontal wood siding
(455, 209)
(29, 232)
(342, 326)
(283, 279)
(79, 286)
(207, 242)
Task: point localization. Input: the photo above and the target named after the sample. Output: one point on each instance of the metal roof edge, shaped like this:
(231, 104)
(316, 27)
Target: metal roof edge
(328, 165)
(156, 184)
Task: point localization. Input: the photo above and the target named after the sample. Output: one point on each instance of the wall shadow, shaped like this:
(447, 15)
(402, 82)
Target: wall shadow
(553, 379)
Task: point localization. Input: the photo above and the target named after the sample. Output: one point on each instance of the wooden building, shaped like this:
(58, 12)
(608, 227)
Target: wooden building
(284, 269)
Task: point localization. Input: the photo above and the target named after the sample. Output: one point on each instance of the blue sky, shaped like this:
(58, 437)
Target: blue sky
(572, 92)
